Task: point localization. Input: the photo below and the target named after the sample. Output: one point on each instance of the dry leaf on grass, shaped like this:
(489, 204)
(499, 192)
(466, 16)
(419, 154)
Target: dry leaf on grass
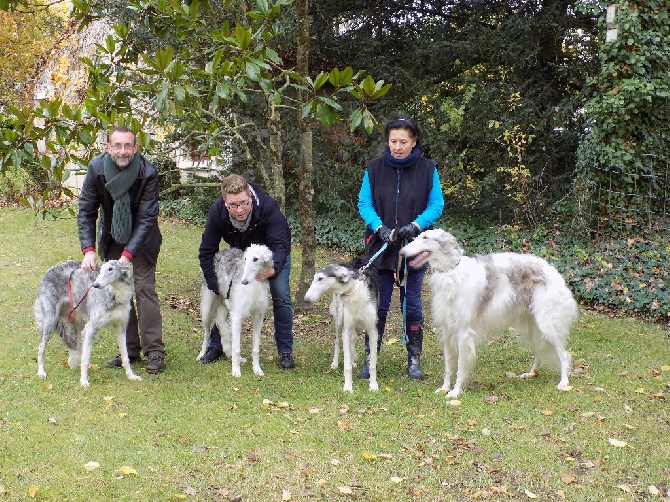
(91, 466)
(32, 491)
(126, 470)
(618, 443)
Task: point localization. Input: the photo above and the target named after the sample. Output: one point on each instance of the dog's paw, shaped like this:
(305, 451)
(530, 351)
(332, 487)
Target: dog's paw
(374, 387)
(334, 365)
(348, 388)
(134, 377)
(243, 360)
(236, 372)
(565, 386)
(258, 372)
(42, 373)
(453, 393)
(84, 383)
(530, 374)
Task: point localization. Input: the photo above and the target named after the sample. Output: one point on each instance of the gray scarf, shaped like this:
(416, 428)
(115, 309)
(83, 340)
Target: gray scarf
(118, 182)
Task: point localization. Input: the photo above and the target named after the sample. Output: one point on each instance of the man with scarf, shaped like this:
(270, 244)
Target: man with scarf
(400, 197)
(122, 186)
(245, 215)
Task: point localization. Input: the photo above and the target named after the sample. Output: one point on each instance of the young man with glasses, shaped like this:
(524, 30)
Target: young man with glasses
(246, 215)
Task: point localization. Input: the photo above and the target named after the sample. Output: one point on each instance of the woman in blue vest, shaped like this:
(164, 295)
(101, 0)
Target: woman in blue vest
(400, 197)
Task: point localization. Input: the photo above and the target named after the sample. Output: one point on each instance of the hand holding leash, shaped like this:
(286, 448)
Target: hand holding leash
(409, 232)
(386, 234)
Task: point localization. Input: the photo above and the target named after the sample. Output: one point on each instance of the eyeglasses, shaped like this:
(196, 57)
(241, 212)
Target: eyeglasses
(118, 146)
(236, 206)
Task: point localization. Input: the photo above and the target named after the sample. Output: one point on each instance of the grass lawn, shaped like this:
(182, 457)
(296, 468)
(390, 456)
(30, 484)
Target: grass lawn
(197, 433)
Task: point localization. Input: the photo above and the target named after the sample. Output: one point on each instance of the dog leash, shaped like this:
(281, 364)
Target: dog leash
(71, 318)
(374, 257)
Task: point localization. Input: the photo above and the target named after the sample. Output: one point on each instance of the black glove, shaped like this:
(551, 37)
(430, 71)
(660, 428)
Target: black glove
(408, 232)
(386, 234)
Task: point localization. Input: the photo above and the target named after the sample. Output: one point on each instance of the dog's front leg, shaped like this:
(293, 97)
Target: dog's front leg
(256, 344)
(336, 349)
(236, 333)
(373, 336)
(123, 350)
(448, 355)
(347, 333)
(467, 356)
(87, 344)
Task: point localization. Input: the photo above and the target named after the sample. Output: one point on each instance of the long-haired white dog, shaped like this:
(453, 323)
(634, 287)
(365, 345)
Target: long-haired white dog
(475, 298)
(354, 308)
(240, 296)
(77, 304)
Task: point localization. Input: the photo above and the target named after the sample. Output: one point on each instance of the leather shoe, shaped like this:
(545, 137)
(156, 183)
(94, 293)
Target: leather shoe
(211, 355)
(156, 363)
(116, 362)
(286, 361)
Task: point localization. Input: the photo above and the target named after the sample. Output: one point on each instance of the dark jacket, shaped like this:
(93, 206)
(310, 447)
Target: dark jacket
(146, 236)
(268, 226)
(399, 196)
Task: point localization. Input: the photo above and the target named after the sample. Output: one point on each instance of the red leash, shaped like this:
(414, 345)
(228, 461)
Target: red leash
(71, 317)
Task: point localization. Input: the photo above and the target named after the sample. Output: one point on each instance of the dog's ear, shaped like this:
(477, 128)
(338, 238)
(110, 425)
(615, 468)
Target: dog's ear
(342, 274)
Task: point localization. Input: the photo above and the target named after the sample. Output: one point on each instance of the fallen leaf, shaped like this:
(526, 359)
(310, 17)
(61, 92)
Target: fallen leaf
(547, 413)
(335, 461)
(53, 420)
(321, 483)
(639, 390)
(665, 367)
(392, 341)
(454, 402)
(286, 495)
(530, 494)
(126, 470)
(568, 478)
(3, 490)
(48, 386)
(369, 456)
(385, 456)
(486, 432)
(123, 415)
(491, 399)
(588, 414)
(91, 466)
(653, 490)
(617, 443)
(32, 491)
(282, 404)
(346, 490)
(625, 488)
(396, 479)
(313, 411)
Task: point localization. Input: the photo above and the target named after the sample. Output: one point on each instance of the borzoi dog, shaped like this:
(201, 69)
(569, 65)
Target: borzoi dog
(474, 298)
(78, 303)
(354, 308)
(241, 296)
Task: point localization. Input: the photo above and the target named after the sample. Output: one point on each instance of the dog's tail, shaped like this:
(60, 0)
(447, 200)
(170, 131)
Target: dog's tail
(67, 334)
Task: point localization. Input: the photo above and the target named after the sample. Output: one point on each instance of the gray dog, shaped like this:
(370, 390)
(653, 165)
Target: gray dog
(77, 303)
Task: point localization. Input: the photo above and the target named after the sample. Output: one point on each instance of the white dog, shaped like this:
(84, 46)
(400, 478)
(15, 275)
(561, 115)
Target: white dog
(77, 304)
(475, 298)
(240, 296)
(354, 308)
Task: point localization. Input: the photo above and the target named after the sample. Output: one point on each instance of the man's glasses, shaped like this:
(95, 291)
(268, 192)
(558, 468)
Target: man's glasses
(236, 206)
(117, 147)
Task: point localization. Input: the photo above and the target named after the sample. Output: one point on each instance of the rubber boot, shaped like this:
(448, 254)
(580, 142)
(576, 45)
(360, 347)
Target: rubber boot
(414, 346)
(364, 374)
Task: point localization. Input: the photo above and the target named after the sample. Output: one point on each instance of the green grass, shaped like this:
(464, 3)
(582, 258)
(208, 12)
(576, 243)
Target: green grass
(197, 433)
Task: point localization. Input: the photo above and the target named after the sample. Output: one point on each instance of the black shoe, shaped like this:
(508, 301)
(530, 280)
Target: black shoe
(156, 363)
(116, 362)
(286, 361)
(364, 374)
(211, 355)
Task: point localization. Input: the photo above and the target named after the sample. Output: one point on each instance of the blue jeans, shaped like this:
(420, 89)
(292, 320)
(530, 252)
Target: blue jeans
(282, 309)
(410, 295)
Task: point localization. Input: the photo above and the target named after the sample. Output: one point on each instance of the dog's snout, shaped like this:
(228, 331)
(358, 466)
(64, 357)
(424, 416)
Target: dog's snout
(96, 285)
(245, 282)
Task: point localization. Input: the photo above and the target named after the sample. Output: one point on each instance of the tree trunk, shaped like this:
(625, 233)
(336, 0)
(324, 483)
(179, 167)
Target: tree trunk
(278, 188)
(308, 240)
